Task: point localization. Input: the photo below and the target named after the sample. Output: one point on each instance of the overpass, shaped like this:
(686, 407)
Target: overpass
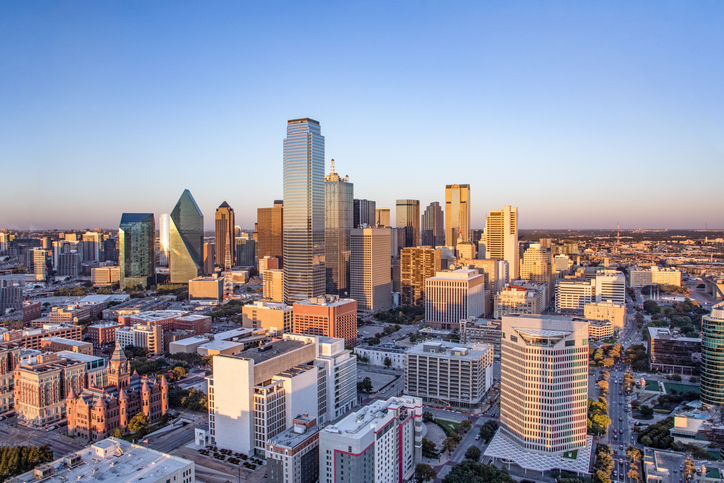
(714, 286)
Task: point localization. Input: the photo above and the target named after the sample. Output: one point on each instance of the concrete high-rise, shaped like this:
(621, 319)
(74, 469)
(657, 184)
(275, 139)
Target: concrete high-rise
(417, 265)
(433, 226)
(338, 203)
(712, 360)
(186, 240)
(383, 217)
(500, 239)
(544, 392)
(270, 231)
(370, 273)
(536, 264)
(457, 213)
(225, 236)
(304, 267)
(92, 246)
(453, 295)
(136, 237)
(364, 213)
(408, 217)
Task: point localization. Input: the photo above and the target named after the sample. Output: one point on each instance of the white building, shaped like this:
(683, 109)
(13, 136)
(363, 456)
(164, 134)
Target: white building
(655, 275)
(453, 295)
(574, 295)
(514, 299)
(449, 374)
(113, 461)
(376, 354)
(611, 287)
(380, 443)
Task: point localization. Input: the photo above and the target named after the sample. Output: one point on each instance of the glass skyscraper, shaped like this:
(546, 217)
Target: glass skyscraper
(225, 236)
(338, 203)
(304, 274)
(712, 357)
(186, 240)
(433, 226)
(136, 241)
(457, 213)
(408, 217)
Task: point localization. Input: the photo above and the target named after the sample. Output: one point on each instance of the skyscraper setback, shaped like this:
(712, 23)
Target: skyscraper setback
(338, 202)
(225, 236)
(433, 226)
(270, 231)
(186, 240)
(457, 213)
(408, 217)
(304, 270)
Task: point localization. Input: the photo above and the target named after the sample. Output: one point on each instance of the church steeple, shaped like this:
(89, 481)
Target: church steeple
(118, 369)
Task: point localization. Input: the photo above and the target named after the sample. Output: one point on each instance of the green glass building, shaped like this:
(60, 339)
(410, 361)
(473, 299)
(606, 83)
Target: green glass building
(136, 239)
(186, 240)
(712, 357)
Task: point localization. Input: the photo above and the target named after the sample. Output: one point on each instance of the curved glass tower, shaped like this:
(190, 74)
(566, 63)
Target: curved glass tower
(712, 357)
(186, 239)
(136, 240)
(304, 274)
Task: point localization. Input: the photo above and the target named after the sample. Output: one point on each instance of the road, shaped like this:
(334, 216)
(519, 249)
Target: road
(20, 435)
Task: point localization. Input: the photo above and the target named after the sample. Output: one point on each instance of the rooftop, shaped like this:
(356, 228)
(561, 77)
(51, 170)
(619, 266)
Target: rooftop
(294, 436)
(111, 461)
(77, 356)
(372, 416)
(159, 315)
(271, 350)
(220, 345)
(63, 340)
(664, 333)
(451, 350)
(190, 340)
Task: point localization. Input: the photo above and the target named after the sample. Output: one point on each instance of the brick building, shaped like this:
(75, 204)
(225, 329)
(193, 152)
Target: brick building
(9, 357)
(199, 324)
(30, 338)
(103, 333)
(327, 315)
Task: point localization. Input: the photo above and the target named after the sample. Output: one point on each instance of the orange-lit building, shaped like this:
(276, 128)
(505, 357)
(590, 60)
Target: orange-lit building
(329, 316)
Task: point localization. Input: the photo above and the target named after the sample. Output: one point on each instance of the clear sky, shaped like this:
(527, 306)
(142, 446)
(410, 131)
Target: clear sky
(581, 114)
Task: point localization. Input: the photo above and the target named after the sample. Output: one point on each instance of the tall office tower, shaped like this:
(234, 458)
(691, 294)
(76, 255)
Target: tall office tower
(245, 250)
(3, 242)
(454, 295)
(370, 283)
(417, 265)
(304, 271)
(254, 395)
(136, 236)
(338, 196)
(383, 217)
(543, 393)
(208, 258)
(110, 250)
(329, 316)
(536, 265)
(433, 226)
(38, 263)
(408, 217)
(164, 238)
(270, 231)
(225, 236)
(457, 213)
(382, 442)
(186, 240)
(712, 363)
(69, 265)
(91, 246)
(365, 213)
(500, 239)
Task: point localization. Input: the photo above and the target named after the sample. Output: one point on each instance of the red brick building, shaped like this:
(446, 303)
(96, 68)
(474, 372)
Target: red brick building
(32, 311)
(327, 316)
(199, 324)
(103, 333)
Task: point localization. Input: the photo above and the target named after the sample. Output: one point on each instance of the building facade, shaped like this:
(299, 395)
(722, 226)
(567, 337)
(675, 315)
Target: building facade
(433, 226)
(457, 214)
(225, 236)
(370, 276)
(500, 239)
(364, 213)
(270, 231)
(273, 285)
(454, 295)
(338, 203)
(408, 218)
(616, 313)
(417, 264)
(186, 240)
(328, 316)
(712, 357)
(136, 256)
(514, 299)
(273, 317)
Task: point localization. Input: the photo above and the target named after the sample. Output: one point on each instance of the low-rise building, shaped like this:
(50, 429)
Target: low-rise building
(514, 299)
(380, 442)
(31, 311)
(188, 345)
(447, 374)
(9, 359)
(292, 456)
(220, 347)
(484, 331)
(673, 353)
(134, 306)
(377, 355)
(655, 275)
(600, 329)
(271, 316)
(31, 338)
(149, 337)
(57, 344)
(105, 276)
(328, 316)
(103, 334)
(616, 313)
(206, 288)
(69, 314)
(164, 318)
(198, 324)
(96, 369)
(113, 461)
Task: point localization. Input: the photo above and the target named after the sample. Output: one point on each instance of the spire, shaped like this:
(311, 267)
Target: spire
(118, 354)
(145, 387)
(72, 395)
(164, 382)
(122, 395)
(331, 170)
(100, 402)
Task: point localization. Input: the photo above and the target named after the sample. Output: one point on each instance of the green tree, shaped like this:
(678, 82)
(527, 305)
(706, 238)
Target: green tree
(646, 411)
(117, 433)
(428, 447)
(449, 444)
(138, 423)
(424, 473)
(473, 453)
(413, 338)
(387, 362)
(488, 429)
(365, 385)
(465, 425)
(180, 372)
(104, 291)
(646, 441)
(470, 471)
(373, 341)
(428, 417)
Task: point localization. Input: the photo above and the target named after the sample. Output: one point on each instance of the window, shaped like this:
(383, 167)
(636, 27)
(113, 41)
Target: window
(570, 343)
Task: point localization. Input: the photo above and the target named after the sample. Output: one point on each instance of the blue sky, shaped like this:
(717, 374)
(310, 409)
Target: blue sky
(582, 114)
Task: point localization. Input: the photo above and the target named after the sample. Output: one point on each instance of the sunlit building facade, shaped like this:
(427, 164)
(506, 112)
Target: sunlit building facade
(186, 240)
(338, 203)
(500, 239)
(270, 231)
(136, 237)
(433, 226)
(225, 236)
(457, 214)
(408, 217)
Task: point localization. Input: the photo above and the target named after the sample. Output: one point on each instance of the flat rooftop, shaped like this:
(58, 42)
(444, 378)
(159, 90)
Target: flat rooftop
(220, 345)
(77, 356)
(63, 340)
(292, 437)
(278, 348)
(354, 424)
(112, 461)
(190, 340)
(159, 315)
(193, 317)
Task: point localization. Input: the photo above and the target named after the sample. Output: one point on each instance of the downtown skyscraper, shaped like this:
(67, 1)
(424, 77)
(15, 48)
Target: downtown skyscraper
(408, 217)
(304, 268)
(225, 236)
(433, 226)
(457, 213)
(338, 203)
(500, 239)
(186, 239)
(136, 240)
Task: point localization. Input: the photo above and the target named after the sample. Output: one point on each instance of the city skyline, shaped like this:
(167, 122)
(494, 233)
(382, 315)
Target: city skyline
(558, 102)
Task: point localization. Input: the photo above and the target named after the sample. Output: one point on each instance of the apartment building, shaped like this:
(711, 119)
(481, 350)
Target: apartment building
(447, 374)
(327, 315)
(655, 275)
(454, 295)
(616, 313)
(272, 316)
(292, 456)
(514, 299)
(417, 264)
(149, 337)
(273, 285)
(103, 333)
(483, 331)
(31, 338)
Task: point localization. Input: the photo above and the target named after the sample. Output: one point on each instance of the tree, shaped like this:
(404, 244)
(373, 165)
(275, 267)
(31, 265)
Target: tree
(373, 341)
(646, 441)
(428, 447)
(465, 425)
(180, 372)
(365, 385)
(646, 411)
(608, 362)
(487, 430)
(651, 307)
(117, 433)
(138, 423)
(387, 362)
(603, 386)
(470, 471)
(413, 338)
(448, 444)
(689, 469)
(15, 460)
(428, 417)
(473, 453)
(633, 473)
(598, 355)
(104, 291)
(424, 473)
(633, 454)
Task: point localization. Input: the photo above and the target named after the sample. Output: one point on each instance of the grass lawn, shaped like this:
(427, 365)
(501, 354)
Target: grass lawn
(571, 455)
(681, 388)
(652, 386)
(447, 426)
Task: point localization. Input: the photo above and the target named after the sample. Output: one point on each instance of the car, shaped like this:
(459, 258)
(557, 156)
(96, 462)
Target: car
(620, 419)
(614, 431)
(621, 448)
(620, 402)
(50, 428)
(625, 410)
(620, 393)
(477, 437)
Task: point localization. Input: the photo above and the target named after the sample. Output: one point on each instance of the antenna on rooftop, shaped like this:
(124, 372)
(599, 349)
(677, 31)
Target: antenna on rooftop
(331, 170)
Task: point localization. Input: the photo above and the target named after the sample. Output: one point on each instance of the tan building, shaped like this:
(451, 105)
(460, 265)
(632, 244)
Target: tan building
(327, 316)
(57, 344)
(514, 299)
(268, 263)
(417, 264)
(270, 232)
(600, 329)
(206, 288)
(454, 295)
(655, 275)
(149, 337)
(616, 313)
(274, 317)
(383, 217)
(457, 214)
(489, 266)
(500, 239)
(536, 265)
(105, 276)
(31, 338)
(41, 385)
(370, 268)
(273, 284)
(485, 331)
(465, 250)
(9, 359)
